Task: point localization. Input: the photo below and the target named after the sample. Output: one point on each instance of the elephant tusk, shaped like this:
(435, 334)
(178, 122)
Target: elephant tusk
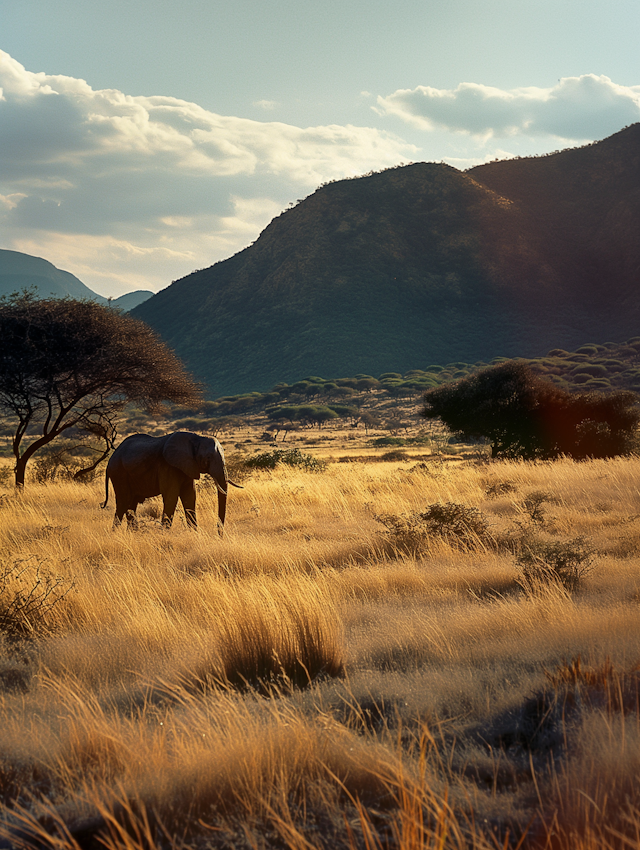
(233, 484)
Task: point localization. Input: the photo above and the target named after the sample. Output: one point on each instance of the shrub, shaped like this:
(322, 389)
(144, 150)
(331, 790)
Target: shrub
(394, 454)
(554, 562)
(289, 457)
(27, 597)
(389, 441)
(192, 423)
(456, 522)
(499, 488)
(405, 532)
(534, 506)
(596, 370)
(460, 525)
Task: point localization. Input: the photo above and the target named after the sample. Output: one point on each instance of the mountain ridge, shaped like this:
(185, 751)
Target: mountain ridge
(420, 264)
(19, 271)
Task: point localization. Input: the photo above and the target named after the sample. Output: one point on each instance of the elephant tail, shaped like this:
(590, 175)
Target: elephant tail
(106, 487)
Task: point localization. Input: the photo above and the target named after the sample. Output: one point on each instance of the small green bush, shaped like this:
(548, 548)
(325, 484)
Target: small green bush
(389, 441)
(554, 562)
(596, 370)
(599, 384)
(460, 525)
(288, 457)
(581, 378)
(191, 423)
(394, 454)
(456, 522)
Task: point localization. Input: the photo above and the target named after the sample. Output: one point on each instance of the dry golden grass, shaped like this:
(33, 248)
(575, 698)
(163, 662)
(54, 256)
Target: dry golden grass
(306, 681)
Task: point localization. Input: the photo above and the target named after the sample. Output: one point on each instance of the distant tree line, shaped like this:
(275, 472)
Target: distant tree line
(606, 368)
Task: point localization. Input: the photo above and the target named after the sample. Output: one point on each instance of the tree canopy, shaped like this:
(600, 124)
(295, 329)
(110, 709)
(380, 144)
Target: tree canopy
(68, 364)
(523, 415)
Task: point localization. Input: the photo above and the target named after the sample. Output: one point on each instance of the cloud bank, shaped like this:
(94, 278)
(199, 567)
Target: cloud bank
(576, 109)
(138, 190)
(133, 192)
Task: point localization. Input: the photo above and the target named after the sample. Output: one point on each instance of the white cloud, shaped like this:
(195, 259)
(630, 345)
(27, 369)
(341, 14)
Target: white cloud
(134, 191)
(577, 108)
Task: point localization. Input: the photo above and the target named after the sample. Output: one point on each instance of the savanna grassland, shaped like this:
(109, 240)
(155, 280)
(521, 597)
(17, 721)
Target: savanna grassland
(343, 669)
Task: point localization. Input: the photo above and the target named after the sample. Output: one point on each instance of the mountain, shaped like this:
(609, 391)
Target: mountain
(130, 300)
(22, 271)
(417, 265)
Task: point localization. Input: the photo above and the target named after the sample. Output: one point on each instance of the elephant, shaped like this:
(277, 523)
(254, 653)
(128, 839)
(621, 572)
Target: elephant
(143, 466)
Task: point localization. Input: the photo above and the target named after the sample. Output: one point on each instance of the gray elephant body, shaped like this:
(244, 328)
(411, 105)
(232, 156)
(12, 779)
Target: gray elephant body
(144, 466)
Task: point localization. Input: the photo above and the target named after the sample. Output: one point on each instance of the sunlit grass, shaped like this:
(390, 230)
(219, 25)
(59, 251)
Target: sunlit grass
(302, 682)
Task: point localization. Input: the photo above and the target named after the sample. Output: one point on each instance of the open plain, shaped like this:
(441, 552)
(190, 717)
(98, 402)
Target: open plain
(339, 670)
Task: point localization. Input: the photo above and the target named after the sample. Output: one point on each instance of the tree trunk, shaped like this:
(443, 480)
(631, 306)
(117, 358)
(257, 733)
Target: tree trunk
(21, 468)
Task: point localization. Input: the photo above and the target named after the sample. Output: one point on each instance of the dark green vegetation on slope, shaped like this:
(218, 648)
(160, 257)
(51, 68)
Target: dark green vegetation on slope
(603, 368)
(392, 399)
(420, 264)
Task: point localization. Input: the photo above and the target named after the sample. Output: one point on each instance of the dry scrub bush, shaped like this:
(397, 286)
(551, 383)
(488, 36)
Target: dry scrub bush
(585, 721)
(461, 526)
(544, 562)
(29, 592)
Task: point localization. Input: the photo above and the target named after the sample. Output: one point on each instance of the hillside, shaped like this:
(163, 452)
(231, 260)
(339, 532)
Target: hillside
(582, 211)
(20, 271)
(391, 401)
(420, 264)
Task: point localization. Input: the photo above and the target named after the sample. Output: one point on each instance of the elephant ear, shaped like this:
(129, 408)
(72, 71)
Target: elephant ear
(180, 451)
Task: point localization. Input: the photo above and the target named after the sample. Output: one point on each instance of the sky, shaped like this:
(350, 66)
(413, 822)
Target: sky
(140, 141)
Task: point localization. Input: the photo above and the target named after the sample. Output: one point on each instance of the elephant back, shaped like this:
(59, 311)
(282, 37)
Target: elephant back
(135, 453)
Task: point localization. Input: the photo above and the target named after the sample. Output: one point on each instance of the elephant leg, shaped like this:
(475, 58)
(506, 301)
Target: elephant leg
(169, 503)
(132, 519)
(188, 499)
(121, 509)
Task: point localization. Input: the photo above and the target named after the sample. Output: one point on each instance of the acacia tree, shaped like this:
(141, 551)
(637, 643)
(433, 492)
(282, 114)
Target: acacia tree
(523, 415)
(68, 364)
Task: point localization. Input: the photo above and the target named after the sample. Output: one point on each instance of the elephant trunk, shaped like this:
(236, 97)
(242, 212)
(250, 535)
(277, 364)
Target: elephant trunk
(218, 472)
(222, 508)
